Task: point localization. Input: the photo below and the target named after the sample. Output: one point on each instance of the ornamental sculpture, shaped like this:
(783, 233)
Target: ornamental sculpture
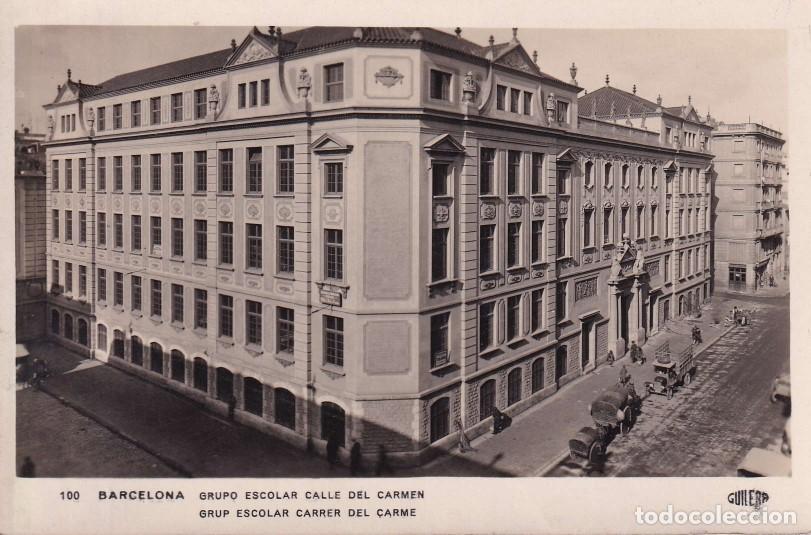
(563, 208)
(469, 88)
(91, 118)
(550, 107)
(488, 211)
(441, 213)
(585, 288)
(652, 268)
(303, 83)
(388, 76)
(51, 126)
(515, 209)
(213, 98)
(537, 209)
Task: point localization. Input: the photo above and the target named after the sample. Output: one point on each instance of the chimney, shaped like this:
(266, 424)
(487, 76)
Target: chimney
(271, 30)
(606, 80)
(458, 32)
(68, 75)
(515, 35)
(634, 89)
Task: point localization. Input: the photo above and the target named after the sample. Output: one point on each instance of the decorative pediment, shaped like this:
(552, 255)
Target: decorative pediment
(517, 58)
(67, 92)
(567, 157)
(329, 144)
(445, 144)
(254, 48)
(670, 167)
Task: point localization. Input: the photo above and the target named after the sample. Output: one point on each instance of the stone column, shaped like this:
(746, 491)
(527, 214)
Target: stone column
(640, 294)
(614, 321)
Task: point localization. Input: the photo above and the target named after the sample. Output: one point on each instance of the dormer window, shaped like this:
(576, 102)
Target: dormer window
(334, 82)
(562, 111)
(527, 103)
(253, 94)
(515, 96)
(501, 97)
(440, 85)
(242, 95)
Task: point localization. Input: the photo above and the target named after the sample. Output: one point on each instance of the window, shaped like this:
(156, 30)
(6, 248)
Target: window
(335, 178)
(242, 95)
(200, 374)
(177, 107)
(527, 103)
(118, 173)
(102, 337)
(689, 223)
(667, 267)
(177, 171)
(68, 332)
(563, 181)
(501, 97)
(286, 170)
(487, 171)
(177, 303)
(515, 97)
(653, 226)
(536, 313)
(334, 82)
(200, 309)
(487, 235)
(440, 85)
(69, 226)
(55, 225)
(737, 145)
(439, 339)
(333, 340)
(135, 234)
(177, 237)
(155, 110)
(253, 394)
(537, 173)
(625, 179)
(118, 288)
(200, 239)
(640, 222)
(117, 114)
(668, 134)
(284, 408)
(226, 242)
(514, 386)
(177, 365)
(68, 175)
(440, 419)
(285, 329)
(624, 221)
(156, 299)
(200, 171)
(588, 228)
(82, 174)
(654, 178)
(226, 316)
(562, 111)
(155, 172)
(253, 323)
(537, 245)
(200, 98)
(588, 174)
(254, 171)
(334, 254)
(100, 116)
(254, 246)
(737, 169)
(135, 173)
(136, 292)
(62, 121)
(226, 178)
(680, 266)
(439, 254)
(487, 313)
(156, 357)
(608, 175)
(69, 277)
(561, 303)
(101, 172)
(102, 229)
(513, 172)
(135, 113)
(253, 97)
(513, 317)
(681, 223)
(487, 399)
(55, 174)
(265, 91)
(101, 285)
(155, 234)
(286, 249)
(82, 281)
(562, 238)
(118, 231)
(54, 274)
(640, 177)
(513, 244)
(537, 375)
(608, 226)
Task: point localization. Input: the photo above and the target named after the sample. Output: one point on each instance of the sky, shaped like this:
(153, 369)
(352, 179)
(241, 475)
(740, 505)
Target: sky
(737, 75)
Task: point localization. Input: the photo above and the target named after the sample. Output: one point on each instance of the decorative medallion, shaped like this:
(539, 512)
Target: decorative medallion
(333, 214)
(563, 207)
(537, 273)
(81, 201)
(388, 76)
(588, 206)
(252, 282)
(284, 288)
(640, 202)
(176, 269)
(606, 255)
(537, 208)
(200, 207)
(488, 284)
(585, 288)
(177, 208)
(154, 265)
(625, 203)
(488, 211)
(515, 209)
(654, 202)
(117, 203)
(67, 202)
(441, 213)
(225, 208)
(514, 277)
(155, 206)
(199, 273)
(588, 259)
(284, 212)
(252, 211)
(136, 205)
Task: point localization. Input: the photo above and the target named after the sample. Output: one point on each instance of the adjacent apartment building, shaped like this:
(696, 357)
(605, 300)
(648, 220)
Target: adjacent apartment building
(750, 229)
(369, 233)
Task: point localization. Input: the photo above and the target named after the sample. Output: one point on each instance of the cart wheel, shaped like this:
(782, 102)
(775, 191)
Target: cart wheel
(688, 378)
(669, 393)
(624, 427)
(595, 452)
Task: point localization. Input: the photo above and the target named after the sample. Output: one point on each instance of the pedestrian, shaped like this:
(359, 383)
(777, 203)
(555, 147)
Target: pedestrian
(354, 458)
(624, 375)
(382, 462)
(332, 450)
(27, 469)
(232, 405)
(500, 421)
(697, 335)
(636, 354)
(464, 441)
(771, 280)
(610, 358)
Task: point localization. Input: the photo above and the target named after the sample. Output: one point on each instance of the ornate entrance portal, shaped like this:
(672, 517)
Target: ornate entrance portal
(628, 293)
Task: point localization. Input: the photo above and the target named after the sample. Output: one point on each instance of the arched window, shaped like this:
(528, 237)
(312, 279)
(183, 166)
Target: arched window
(84, 338)
(102, 337)
(225, 384)
(625, 178)
(118, 344)
(156, 357)
(440, 419)
(178, 365)
(588, 174)
(253, 395)
(137, 350)
(68, 333)
(537, 375)
(55, 320)
(514, 386)
(487, 399)
(654, 177)
(200, 374)
(284, 408)
(561, 362)
(640, 177)
(333, 422)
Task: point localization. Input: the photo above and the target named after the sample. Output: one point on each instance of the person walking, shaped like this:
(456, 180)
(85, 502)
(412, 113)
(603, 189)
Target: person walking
(636, 354)
(354, 459)
(624, 375)
(610, 358)
(464, 441)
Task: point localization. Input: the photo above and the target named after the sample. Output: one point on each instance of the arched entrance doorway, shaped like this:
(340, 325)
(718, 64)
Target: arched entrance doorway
(83, 334)
(333, 422)
(225, 384)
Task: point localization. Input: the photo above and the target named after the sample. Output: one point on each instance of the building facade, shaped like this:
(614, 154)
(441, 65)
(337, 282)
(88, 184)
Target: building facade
(750, 226)
(29, 201)
(369, 233)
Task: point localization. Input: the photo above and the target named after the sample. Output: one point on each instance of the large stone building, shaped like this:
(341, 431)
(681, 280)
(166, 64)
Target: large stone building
(750, 227)
(369, 232)
(29, 228)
